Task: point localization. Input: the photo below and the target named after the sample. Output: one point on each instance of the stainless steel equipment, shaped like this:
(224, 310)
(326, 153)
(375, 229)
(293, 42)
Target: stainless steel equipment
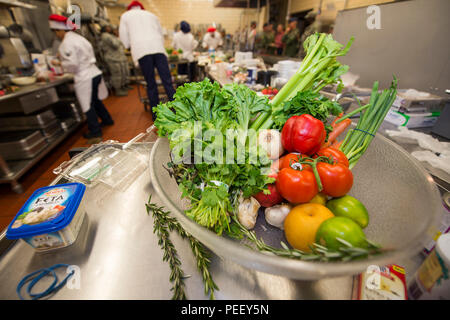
(52, 130)
(41, 120)
(119, 258)
(30, 99)
(14, 54)
(21, 145)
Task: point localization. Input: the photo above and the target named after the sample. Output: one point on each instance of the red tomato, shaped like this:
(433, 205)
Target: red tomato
(337, 179)
(297, 186)
(275, 91)
(304, 134)
(287, 160)
(337, 155)
(269, 200)
(269, 90)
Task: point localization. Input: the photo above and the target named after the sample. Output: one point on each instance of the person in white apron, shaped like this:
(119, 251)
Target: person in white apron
(77, 57)
(212, 39)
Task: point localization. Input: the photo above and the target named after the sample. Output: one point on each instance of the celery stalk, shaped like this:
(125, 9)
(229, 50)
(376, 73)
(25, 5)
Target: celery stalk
(318, 69)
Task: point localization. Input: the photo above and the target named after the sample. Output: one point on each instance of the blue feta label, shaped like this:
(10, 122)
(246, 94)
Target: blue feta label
(45, 206)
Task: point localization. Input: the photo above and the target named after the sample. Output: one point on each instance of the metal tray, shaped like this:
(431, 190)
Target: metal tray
(52, 130)
(37, 121)
(21, 145)
(67, 123)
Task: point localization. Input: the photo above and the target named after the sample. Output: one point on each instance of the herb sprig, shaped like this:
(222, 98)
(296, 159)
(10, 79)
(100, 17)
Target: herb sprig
(318, 252)
(163, 225)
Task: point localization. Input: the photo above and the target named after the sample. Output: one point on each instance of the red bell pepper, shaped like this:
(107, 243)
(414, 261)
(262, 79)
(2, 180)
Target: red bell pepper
(304, 134)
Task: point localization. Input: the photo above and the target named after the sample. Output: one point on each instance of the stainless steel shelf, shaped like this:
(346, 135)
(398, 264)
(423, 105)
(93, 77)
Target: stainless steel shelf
(19, 167)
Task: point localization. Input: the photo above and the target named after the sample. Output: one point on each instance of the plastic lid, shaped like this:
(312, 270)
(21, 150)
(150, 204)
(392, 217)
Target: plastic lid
(443, 247)
(49, 209)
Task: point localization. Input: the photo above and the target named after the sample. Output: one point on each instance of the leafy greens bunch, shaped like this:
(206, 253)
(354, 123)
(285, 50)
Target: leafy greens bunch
(306, 102)
(318, 69)
(205, 177)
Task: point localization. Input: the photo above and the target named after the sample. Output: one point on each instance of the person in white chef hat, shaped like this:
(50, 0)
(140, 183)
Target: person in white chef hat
(77, 57)
(212, 39)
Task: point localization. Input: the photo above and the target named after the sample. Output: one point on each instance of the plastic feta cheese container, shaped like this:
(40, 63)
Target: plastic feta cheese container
(51, 218)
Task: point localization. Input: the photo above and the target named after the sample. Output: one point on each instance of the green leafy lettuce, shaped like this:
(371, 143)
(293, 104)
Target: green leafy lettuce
(213, 184)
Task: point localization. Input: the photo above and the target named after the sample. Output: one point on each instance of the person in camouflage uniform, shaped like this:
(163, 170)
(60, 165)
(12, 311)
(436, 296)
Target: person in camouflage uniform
(291, 39)
(125, 61)
(267, 39)
(114, 56)
(310, 30)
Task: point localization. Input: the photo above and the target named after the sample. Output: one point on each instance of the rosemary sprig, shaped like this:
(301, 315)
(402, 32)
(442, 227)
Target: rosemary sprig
(318, 252)
(170, 253)
(201, 255)
(164, 221)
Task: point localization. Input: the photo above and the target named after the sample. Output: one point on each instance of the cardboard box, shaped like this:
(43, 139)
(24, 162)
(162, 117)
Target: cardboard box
(412, 120)
(421, 104)
(381, 283)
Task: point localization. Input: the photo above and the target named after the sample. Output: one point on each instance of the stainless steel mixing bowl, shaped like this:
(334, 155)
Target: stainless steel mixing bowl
(402, 200)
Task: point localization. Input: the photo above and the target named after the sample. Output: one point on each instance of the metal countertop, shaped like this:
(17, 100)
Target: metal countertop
(37, 86)
(119, 258)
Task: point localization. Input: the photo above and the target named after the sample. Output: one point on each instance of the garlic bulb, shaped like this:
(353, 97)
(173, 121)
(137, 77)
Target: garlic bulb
(270, 140)
(275, 215)
(247, 212)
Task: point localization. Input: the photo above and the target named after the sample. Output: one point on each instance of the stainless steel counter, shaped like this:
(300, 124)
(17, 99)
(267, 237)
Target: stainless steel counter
(37, 86)
(119, 258)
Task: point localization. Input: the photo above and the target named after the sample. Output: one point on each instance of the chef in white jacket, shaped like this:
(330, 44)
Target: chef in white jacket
(185, 41)
(77, 57)
(140, 30)
(212, 39)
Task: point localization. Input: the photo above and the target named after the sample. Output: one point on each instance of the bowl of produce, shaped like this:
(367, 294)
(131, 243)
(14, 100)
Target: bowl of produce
(23, 81)
(290, 186)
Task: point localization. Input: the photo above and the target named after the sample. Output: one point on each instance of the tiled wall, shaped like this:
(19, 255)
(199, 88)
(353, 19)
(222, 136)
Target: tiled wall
(171, 12)
(5, 18)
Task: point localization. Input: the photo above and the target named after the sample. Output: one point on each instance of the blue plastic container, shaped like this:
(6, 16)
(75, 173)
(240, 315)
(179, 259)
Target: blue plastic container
(51, 218)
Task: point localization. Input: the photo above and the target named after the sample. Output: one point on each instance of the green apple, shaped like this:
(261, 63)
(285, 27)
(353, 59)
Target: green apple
(340, 227)
(350, 207)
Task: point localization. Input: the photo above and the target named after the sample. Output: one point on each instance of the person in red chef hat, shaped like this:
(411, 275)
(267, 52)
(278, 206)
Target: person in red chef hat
(140, 30)
(77, 57)
(212, 39)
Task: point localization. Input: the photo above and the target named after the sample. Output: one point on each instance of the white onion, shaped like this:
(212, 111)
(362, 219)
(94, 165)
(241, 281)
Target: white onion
(270, 141)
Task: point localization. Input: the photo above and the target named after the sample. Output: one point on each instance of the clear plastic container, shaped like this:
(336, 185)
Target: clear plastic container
(114, 164)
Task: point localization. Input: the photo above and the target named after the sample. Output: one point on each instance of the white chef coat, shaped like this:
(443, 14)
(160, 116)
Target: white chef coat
(185, 42)
(77, 57)
(210, 42)
(141, 31)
